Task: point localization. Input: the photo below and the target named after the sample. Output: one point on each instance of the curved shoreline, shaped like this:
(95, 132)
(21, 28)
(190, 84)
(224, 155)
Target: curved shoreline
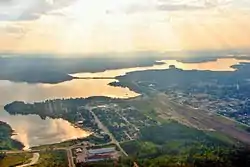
(9, 133)
(161, 66)
(29, 130)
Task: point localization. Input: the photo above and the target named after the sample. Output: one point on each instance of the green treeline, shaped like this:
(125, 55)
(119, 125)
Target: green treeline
(6, 143)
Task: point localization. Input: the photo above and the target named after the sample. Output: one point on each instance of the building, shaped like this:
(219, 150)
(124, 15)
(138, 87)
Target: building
(101, 150)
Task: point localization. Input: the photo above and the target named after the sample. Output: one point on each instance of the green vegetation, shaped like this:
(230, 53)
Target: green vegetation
(56, 145)
(98, 164)
(161, 134)
(137, 148)
(172, 145)
(59, 108)
(52, 159)
(221, 137)
(6, 143)
(123, 162)
(199, 158)
(170, 138)
(11, 160)
(92, 139)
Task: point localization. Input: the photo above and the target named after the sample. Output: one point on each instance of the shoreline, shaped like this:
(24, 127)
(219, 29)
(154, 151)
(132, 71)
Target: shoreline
(154, 61)
(117, 77)
(9, 133)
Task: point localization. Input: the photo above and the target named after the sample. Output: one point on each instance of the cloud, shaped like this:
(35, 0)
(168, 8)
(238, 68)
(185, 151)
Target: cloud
(13, 10)
(13, 29)
(136, 6)
(69, 26)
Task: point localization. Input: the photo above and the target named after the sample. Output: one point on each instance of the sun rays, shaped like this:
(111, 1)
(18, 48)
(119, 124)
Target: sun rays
(84, 26)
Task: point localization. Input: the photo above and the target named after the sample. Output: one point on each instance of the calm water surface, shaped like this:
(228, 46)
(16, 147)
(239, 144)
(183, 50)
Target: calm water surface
(223, 64)
(32, 130)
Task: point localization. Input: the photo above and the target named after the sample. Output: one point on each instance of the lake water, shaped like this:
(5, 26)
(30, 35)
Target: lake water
(33, 131)
(222, 64)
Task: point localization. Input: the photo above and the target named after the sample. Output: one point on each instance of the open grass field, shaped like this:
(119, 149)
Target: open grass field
(12, 160)
(52, 159)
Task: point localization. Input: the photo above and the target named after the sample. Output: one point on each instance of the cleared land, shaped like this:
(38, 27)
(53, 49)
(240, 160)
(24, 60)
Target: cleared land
(15, 159)
(197, 118)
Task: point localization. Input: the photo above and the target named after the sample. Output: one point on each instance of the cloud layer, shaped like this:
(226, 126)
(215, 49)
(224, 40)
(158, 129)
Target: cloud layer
(13, 10)
(77, 26)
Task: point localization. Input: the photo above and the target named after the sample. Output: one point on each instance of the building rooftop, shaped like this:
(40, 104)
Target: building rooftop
(99, 158)
(101, 150)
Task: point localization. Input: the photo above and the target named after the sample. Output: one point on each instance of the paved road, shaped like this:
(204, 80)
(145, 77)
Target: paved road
(70, 158)
(125, 119)
(105, 129)
(33, 161)
(31, 151)
(19, 151)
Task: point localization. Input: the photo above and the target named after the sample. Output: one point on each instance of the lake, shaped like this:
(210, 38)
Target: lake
(32, 130)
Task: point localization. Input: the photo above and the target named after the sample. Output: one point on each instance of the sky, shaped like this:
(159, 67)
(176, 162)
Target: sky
(99, 26)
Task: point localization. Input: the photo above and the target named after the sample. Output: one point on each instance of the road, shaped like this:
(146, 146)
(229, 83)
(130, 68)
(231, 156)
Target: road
(125, 119)
(70, 157)
(105, 129)
(33, 160)
(30, 151)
